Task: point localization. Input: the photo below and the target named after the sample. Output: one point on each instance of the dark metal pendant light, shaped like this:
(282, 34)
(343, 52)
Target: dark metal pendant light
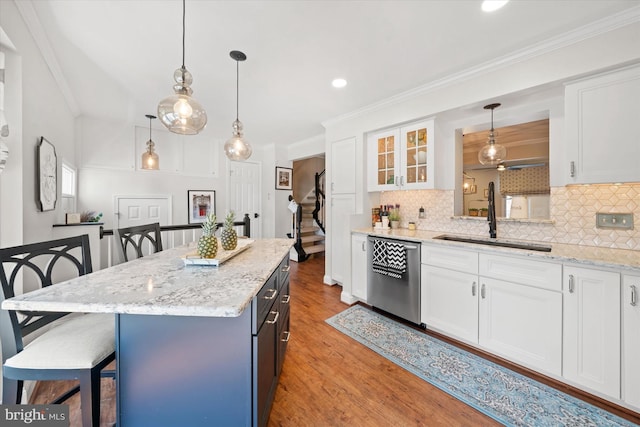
(181, 113)
(150, 159)
(237, 148)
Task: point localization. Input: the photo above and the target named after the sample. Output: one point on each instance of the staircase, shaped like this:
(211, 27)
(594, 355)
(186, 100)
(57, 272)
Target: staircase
(311, 235)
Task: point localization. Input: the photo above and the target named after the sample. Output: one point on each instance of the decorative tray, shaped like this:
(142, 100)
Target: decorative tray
(222, 256)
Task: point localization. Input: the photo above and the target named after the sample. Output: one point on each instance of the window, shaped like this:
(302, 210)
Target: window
(69, 188)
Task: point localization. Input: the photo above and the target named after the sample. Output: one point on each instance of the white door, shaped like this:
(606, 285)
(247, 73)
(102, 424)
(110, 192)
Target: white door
(591, 353)
(244, 194)
(342, 206)
(631, 339)
(140, 210)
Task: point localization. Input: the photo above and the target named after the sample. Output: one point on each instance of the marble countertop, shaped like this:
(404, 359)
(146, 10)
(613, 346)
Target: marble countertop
(160, 284)
(586, 255)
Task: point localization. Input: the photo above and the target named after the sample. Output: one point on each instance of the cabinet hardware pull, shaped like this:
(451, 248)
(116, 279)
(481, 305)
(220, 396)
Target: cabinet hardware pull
(333, 185)
(275, 319)
(473, 289)
(273, 294)
(285, 299)
(396, 180)
(287, 338)
(483, 291)
(571, 283)
(363, 248)
(285, 269)
(402, 180)
(634, 295)
(572, 169)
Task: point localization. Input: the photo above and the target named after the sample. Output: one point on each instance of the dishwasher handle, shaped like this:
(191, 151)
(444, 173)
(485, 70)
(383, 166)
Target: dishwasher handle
(410, 247)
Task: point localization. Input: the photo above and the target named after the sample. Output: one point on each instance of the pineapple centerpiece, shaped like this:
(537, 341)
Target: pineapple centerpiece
(208, 243)
(228, 236)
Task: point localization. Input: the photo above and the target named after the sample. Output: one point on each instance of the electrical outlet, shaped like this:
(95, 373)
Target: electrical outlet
(622, 221)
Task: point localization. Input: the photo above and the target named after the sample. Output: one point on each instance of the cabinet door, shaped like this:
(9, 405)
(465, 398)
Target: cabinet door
(359, 266)
(343, 166)
(265, 380)
(416, 157)
(601, 115)
(449, 302)
(342, 207)
(384, 161)
(522, 323)
(631, 340)
(591, 345)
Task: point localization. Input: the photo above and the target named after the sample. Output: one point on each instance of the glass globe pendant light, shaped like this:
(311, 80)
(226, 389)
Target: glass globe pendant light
(150, 159)
(492, 153)
(237, 148)
(181, 113)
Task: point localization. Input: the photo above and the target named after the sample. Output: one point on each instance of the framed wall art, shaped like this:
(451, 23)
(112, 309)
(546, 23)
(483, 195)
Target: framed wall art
(200, 204)
(47, 175)
(284, 178)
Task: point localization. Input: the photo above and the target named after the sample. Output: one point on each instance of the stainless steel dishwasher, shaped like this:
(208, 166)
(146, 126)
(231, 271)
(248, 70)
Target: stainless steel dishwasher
(394, 277)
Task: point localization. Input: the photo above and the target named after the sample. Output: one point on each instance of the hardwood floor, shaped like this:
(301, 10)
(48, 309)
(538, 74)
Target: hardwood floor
(328, 379)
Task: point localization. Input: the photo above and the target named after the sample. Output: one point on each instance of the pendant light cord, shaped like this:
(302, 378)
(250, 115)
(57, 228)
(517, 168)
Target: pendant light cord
(237, 88)
(150, 128)
(183, 25)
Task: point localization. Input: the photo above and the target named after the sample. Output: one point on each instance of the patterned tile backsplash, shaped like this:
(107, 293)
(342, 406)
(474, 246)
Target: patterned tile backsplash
(573, 215)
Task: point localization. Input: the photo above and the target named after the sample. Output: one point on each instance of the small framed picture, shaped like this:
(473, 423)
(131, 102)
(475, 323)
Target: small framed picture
(284, 178)
(200, 204)
(486, 193)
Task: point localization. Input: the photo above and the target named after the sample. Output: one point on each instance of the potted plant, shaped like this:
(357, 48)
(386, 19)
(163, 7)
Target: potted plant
(473, 211)
(484, 212)
(394, 218)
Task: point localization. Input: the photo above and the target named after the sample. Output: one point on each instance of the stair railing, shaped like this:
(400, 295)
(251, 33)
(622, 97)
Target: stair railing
(297, 231)
(319, 211)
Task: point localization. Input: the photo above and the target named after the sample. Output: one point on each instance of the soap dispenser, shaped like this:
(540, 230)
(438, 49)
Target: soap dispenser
(421, 214)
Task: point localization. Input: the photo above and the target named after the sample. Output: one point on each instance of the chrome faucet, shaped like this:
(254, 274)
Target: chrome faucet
(491, 217)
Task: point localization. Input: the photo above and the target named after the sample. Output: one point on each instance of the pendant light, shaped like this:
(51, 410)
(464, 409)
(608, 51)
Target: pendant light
(150, 160)
(492, 153)
(181, 113)
(237, 148)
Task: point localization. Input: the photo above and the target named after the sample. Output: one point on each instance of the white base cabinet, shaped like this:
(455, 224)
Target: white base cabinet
(521, 323)
(631, 340)
(591, 327)
(359, 266)
(449, 302)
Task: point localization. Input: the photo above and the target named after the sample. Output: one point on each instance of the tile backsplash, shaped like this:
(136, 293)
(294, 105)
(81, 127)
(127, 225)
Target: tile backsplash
(573, 215)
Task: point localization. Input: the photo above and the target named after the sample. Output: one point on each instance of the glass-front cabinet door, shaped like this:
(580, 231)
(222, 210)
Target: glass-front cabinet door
(417, 156)
(384, 164)
(401, 158)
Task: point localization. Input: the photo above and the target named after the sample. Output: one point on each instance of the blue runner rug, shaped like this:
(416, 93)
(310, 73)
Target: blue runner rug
(500, 393)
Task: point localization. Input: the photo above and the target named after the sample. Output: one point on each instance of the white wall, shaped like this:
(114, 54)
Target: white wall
(44, 113)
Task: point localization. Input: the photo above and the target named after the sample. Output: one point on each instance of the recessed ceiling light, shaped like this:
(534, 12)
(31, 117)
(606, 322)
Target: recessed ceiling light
(493, 5)
(339, 83)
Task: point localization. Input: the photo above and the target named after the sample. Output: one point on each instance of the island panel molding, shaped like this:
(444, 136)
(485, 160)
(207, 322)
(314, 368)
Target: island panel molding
(47, 175)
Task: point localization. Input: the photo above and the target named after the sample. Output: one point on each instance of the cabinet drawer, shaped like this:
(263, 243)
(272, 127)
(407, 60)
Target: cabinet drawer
(283, 272)
(453, 259)
(263, 302)
(544, 275)
(283, 301)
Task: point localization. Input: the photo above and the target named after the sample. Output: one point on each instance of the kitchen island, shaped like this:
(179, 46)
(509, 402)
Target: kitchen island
(195, 345)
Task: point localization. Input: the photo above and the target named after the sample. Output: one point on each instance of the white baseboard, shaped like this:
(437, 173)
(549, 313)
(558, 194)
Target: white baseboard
(327, 280)
(347, 298)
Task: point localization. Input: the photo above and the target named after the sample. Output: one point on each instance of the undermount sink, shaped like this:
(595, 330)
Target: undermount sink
(526, 246)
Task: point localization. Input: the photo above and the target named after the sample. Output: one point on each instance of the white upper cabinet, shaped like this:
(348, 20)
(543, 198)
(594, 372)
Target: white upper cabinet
(343, 166)
(401, 158)
(602, 115)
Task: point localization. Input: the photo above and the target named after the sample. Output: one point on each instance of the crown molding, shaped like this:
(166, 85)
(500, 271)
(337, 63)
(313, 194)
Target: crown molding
(601, 26)
(28, 12)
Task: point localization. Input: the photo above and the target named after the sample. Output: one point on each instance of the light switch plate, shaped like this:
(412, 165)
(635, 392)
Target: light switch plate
(622, 221)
